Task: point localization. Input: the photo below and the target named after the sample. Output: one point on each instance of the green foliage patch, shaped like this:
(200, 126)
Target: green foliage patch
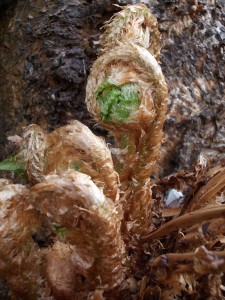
(117, 102)
(13, 164)
(59, 230)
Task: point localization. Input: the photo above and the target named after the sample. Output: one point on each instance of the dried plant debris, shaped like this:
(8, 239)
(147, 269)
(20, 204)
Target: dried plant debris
(193, 244)
(88, 222)
(184, 273)
(206, 196)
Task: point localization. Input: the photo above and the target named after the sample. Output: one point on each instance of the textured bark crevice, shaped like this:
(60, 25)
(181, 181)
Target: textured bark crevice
(192, 53)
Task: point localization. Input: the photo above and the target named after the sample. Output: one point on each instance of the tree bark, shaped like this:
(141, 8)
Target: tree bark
(47, 49)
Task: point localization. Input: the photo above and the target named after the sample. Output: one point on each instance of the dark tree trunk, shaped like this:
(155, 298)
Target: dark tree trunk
(46, 51)
(47, 48)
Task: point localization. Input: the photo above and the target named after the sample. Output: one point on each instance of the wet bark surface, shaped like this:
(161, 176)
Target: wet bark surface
(47, 49)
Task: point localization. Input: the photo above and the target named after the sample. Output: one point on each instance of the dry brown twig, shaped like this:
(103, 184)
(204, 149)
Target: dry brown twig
(187, 220)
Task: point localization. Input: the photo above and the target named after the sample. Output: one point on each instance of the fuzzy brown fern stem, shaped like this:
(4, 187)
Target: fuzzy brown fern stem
(88, 202)
(90, 223)
(21, 260)
(134, 24)
(32, 144)
(127, 94)
(75, 146)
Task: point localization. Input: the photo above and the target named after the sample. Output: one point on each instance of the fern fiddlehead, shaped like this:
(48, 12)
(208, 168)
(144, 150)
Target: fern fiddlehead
(127, 94)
